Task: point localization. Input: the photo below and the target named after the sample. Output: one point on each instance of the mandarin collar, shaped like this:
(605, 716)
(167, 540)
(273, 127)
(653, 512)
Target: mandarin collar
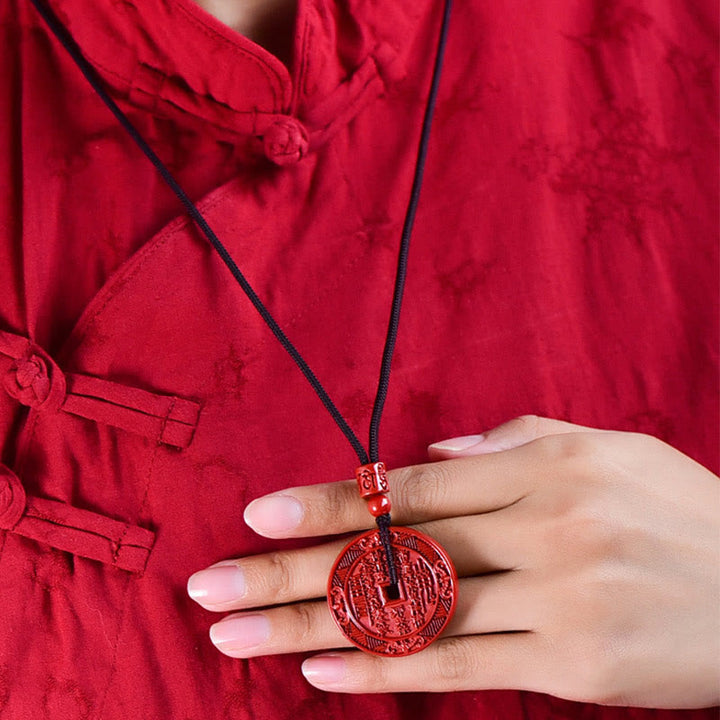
(162, 54)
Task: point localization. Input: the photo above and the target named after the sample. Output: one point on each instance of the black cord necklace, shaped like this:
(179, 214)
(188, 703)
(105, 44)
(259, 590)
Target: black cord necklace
(379, 609)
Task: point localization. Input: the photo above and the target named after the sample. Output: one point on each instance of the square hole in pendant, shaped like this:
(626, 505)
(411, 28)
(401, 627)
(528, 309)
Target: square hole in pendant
(392, 594)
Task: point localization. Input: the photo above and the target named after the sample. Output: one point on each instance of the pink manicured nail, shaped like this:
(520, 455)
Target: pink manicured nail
(274, 514)
(216, 585)
(325, 669)
(459, 443)
(240, 633)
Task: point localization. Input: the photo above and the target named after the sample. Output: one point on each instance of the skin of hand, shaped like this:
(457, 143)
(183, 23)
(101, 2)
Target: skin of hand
(589, 564)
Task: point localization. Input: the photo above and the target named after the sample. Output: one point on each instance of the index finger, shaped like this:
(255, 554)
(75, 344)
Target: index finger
(453, 488)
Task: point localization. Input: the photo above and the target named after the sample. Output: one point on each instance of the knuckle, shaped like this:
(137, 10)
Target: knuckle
(574, 449)
(595, 633)
(280, 575)
(598, 677)
(529, 425)
(586, 528)
(604, 584)
(643, 440)
(303, 622)
(594, 529)
(605, 538)
(422, 489)
(590, 645)
(636, 450)
(370, 674)
(337, 501)
(402, 487)
(587, 459)
(453, 664)
(586, 533)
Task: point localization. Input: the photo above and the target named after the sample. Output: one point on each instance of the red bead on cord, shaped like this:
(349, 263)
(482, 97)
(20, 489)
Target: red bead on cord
(372, 479)
(373, 484)
(378, 505)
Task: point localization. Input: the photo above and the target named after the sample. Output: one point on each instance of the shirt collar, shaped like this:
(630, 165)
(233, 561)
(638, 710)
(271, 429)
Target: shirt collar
(171, 53)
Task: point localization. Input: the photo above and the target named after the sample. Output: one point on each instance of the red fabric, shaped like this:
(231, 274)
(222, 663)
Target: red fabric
(563, 263)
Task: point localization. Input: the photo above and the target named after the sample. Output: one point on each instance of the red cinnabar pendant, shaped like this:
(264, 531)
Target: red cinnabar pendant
(366, 613)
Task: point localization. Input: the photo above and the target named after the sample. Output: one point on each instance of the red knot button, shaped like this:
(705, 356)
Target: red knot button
(27, 381)
(285, 142)
(12, 498)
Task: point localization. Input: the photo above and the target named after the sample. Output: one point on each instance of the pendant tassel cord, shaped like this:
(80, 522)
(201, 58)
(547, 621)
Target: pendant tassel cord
(401, 272)
(384, 521)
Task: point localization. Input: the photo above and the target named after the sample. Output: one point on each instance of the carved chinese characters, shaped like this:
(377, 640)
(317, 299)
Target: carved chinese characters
(359, 602)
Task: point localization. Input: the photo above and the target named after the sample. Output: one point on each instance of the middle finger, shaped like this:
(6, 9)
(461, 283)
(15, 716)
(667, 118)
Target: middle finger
(477, 544)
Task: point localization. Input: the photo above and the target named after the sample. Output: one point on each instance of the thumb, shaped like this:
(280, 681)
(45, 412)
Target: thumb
(519, 431)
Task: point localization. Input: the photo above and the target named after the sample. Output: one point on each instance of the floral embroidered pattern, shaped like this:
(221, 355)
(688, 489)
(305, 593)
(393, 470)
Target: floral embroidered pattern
(621, 170)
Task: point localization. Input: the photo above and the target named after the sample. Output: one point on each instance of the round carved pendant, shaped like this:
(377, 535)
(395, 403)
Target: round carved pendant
(367, 614)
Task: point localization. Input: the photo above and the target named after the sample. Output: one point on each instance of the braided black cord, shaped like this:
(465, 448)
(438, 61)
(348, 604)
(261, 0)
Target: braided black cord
(401, 272)
(384, 521)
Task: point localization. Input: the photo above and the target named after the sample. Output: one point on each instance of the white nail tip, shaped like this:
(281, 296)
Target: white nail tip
(459, 443)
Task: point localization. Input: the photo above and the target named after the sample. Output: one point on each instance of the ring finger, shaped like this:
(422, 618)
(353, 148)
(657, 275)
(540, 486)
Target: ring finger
(501, 602)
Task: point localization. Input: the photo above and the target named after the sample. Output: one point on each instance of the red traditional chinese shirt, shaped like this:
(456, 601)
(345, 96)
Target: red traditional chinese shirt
(563, 263)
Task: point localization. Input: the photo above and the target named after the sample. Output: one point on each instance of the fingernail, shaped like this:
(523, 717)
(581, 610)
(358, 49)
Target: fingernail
(240, 633)
(324, 669)
(216, 585)
(459, 443)
(274, 514)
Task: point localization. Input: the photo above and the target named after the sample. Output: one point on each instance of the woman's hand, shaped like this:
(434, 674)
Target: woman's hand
(589, 566)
